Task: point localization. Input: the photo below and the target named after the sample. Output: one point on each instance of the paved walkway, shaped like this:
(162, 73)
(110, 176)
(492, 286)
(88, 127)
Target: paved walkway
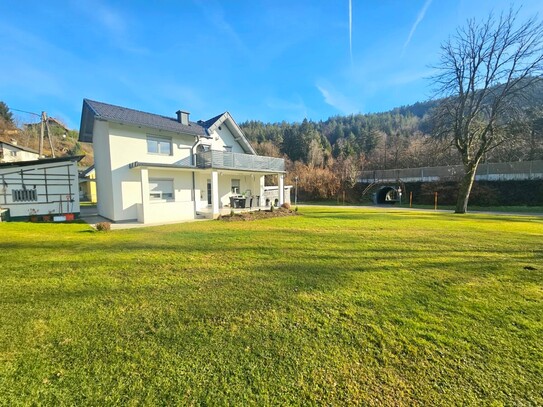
(89, 214)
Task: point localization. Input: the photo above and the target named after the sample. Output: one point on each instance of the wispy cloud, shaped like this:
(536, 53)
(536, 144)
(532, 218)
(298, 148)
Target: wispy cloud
(336, 99)
(420, 17)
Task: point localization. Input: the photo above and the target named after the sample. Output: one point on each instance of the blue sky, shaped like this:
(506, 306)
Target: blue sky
(261, 60)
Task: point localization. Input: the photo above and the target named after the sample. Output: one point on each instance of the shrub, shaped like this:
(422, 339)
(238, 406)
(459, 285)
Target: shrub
(103, 226)
(286, 205)
(271, 208)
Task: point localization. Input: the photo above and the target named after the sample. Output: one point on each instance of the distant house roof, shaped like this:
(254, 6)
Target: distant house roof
(86, 171)
(102, 111)
(50, 120)
(19, 147)
(75, 158)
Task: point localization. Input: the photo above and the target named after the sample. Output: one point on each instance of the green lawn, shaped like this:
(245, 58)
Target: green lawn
(334, 307)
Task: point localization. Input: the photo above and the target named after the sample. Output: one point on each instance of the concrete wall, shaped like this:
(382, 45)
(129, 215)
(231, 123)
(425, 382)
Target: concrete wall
(102, 167)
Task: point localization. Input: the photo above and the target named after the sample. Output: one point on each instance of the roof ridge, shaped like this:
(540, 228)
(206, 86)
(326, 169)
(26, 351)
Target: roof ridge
(129, 108)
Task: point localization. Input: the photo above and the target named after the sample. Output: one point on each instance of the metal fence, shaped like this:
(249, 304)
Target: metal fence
(514, 171)
(228, 160)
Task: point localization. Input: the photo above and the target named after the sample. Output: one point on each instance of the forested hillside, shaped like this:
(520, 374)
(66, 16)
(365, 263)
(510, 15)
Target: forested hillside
(327, 155)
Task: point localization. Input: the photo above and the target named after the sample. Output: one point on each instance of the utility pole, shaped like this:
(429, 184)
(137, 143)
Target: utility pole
(42, 131)
(43, 126)
(50, 139)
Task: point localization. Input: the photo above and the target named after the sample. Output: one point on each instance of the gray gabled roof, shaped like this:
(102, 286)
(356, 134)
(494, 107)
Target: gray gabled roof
(103, 111)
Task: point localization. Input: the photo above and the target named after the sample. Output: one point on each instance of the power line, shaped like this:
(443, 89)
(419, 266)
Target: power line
(24, 111)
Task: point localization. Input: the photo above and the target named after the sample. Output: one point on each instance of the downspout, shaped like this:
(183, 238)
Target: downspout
(192, 156)
(193, 159)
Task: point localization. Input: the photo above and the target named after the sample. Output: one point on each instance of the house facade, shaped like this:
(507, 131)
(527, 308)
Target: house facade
(154, 168)
(11, 152)
(46, 187)
(87, 185)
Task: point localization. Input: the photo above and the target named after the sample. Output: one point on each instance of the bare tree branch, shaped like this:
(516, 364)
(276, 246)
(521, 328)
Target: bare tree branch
(483, 74)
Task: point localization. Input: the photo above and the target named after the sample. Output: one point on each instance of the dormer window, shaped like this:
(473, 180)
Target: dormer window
(159, 145)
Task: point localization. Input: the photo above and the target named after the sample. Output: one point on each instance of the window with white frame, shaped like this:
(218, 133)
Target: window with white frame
(160, 189)
(159, 145)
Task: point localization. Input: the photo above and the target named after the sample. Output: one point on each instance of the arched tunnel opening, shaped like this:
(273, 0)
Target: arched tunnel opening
(386, 196)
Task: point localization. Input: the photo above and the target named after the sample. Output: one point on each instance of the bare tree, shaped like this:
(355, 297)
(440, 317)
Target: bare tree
(484, 72)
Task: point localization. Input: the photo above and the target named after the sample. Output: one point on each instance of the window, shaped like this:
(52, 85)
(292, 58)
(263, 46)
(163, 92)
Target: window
(161, 189)
(22, 195)
(235, 186)
(13, 153)
(159, 145)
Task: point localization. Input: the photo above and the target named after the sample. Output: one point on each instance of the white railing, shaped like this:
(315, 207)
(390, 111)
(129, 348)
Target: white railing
(514, 171)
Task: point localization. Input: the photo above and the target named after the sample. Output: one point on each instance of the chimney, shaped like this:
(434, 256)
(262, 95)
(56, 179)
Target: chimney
(183, 117)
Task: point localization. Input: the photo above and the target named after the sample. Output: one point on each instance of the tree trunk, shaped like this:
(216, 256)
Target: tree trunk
(464, 188)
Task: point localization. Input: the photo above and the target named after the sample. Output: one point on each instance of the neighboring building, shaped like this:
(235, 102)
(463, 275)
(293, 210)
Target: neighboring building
(11, 152)
(40, 187)
(154, 168)
(87, 184)
(51, 121)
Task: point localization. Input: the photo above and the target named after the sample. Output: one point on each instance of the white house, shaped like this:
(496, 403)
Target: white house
(154, 168)
(11, 152)
(87, 184)
(45, 187)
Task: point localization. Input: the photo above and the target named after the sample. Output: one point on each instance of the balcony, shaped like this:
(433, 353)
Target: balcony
(236, 161)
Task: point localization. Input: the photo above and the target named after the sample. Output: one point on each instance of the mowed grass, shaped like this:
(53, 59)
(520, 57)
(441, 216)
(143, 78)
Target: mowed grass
(334, 307)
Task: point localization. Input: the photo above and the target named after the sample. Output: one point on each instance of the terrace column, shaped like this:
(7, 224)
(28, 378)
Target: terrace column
(144, 174)
(281, 189)
(215, 194)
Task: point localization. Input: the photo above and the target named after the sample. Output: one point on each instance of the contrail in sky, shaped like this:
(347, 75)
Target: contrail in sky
(351, 30)
(420, 17)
